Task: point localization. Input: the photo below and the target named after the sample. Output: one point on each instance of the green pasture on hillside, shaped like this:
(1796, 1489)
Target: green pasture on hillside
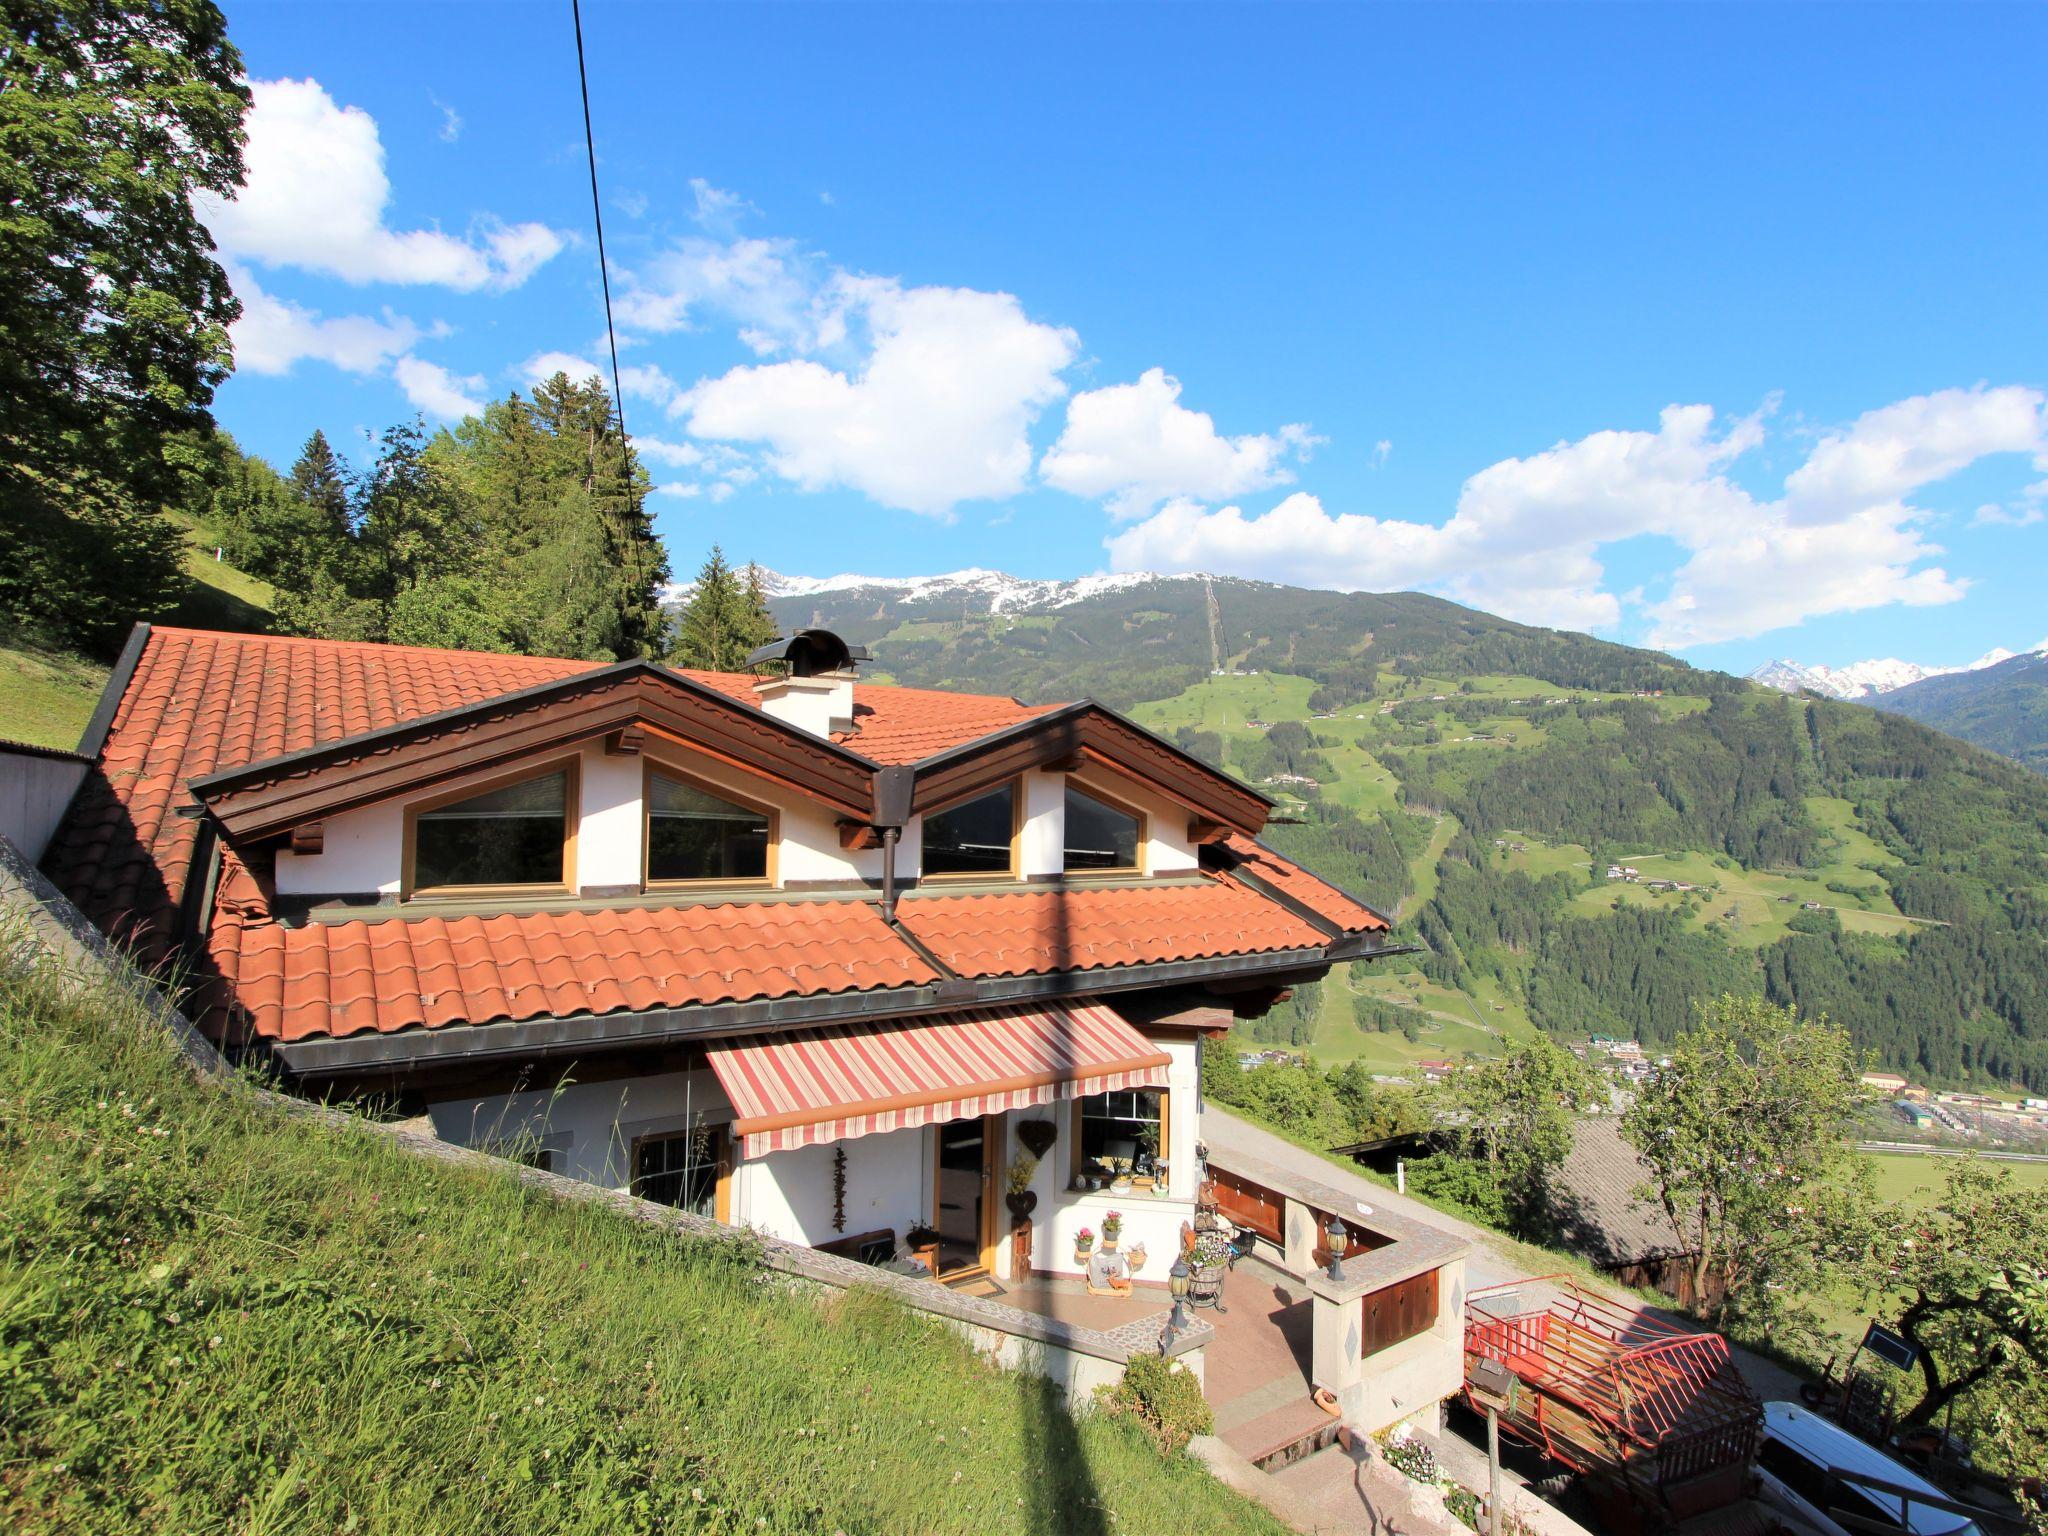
(46, 697)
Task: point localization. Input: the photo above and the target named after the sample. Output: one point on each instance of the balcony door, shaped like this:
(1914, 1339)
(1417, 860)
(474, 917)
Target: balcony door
(964, 1196)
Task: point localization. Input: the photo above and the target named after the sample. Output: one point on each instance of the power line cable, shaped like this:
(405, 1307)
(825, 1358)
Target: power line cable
(604, 272)
(604, 275)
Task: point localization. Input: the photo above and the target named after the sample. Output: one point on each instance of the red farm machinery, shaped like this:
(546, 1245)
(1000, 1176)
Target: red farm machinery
(1656, 1420)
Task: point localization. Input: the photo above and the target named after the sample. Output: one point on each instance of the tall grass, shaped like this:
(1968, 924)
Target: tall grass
(218, 1317)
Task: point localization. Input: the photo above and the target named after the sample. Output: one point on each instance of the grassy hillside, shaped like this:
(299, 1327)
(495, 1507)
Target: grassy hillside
(214, 1318)
(46, 696)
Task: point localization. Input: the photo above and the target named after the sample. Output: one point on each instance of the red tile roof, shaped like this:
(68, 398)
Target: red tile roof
(1321, 897)
(1026, 933)
(200, 702)
(354, 978)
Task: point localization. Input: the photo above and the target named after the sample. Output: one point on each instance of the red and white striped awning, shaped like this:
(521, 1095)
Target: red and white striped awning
(817, 1085)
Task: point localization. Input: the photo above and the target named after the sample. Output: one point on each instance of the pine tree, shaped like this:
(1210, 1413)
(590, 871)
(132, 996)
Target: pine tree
(760, 623)
(320, 480)
(719, 626)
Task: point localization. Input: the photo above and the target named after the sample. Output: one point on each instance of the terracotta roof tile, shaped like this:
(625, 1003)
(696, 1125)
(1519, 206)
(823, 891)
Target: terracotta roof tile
(1283, 874)
(355, 978)
(1032, 932)
(200, 702)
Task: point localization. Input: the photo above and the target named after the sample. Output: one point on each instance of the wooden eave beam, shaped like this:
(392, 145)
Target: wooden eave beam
(404, 761)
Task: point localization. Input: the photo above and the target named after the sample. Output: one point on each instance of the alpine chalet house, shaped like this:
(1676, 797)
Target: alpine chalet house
(796, 951)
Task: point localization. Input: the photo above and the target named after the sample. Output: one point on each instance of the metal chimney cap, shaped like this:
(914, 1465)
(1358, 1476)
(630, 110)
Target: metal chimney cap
(809, 652)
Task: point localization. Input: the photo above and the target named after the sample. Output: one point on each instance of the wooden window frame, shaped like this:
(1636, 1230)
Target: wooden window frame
(969, 876)
(1140, 869)
(1163, 1157)
(721, 1131)
(773, 878)
(572, 817)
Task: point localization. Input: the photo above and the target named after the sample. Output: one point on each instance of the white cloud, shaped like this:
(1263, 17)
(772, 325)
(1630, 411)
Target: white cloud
(273, 334)
(938, 413)
(1136, 445)
(1526, 536)
(642, 381)
(717, 209)
(451, 120)
(2019, 515)
(774, 295)
(437, 391)
(1380, 452)
(316, 196)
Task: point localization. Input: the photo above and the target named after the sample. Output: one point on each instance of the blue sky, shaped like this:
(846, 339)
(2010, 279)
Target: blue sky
(1718, 328)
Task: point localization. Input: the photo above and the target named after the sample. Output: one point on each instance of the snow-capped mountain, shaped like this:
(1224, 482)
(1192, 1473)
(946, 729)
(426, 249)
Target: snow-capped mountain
(1002, 593)
(1868, 679)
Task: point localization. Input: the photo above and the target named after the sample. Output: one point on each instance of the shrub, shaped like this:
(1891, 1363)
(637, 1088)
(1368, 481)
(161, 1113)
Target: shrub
(1163, 1398)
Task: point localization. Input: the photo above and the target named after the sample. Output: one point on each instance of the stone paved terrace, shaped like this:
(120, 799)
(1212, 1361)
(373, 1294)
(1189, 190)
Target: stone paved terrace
(1257, 1366)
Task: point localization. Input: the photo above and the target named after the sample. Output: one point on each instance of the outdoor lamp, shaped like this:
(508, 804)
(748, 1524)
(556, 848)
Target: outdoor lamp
(1337, 1240)
(1178, 1279)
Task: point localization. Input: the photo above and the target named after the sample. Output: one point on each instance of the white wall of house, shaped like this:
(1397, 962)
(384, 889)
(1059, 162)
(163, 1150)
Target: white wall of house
(589, 1126)
(362, 851)
(888, 1185)
(1043, 839)
(1153, 1221)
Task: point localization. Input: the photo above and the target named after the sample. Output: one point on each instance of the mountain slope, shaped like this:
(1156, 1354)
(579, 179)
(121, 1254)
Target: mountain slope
(2003, 708)
(1478, 777)
(1128, 638)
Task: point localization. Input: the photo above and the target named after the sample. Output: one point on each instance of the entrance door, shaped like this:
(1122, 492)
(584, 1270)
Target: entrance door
(964, 1193)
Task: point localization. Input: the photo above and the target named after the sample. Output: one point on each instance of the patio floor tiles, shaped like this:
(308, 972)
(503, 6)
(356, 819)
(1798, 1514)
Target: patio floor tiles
(1256, 1375)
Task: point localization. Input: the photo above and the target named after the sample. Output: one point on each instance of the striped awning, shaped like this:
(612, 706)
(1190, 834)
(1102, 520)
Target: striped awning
(804, 1087)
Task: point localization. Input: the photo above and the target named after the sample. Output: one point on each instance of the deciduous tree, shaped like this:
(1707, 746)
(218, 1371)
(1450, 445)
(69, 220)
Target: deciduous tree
(1746, 1136)
(113, 314)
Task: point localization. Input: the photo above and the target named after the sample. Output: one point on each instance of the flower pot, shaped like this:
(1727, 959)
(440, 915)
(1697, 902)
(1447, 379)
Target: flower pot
(1021, 1202)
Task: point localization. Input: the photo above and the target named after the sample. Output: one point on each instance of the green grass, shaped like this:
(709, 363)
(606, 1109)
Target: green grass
(46, 697)
(217, 1317)
(219, 596)
(1450, 1024)
(1904, 1179)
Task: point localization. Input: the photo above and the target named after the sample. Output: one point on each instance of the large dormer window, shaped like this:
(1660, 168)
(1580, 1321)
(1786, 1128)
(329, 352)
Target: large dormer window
(512, 834)
(974, 837)
(1102, 837)
(695, 835)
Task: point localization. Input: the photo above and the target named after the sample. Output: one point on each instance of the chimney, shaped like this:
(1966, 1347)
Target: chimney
(815, 693)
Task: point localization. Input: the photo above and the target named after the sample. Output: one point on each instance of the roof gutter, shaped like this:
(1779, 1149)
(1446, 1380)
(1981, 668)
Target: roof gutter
(579, 1034)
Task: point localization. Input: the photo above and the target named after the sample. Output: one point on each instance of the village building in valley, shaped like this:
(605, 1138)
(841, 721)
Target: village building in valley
(845, 963)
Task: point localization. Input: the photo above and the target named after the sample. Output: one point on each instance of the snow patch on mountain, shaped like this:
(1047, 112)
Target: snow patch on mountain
(1868, 679)
(1003, 593)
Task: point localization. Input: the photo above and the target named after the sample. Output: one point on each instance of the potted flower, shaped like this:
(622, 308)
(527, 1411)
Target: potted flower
(923, 1243)
(1112, 1230)
(1021, 1198)
(1084, 1244)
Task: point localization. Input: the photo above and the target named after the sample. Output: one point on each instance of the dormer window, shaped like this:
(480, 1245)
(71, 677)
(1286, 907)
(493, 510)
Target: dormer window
(975, 837)
(1102, 837)
(695, 835)
(512, 834)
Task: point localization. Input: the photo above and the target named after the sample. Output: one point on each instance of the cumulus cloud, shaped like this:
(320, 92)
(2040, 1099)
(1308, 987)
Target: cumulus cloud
(644, 381)
(938, 412)
(437, 391)
(776, 297)
(1526, 536)
(1136, 445)
(273, 334)
(316, 197)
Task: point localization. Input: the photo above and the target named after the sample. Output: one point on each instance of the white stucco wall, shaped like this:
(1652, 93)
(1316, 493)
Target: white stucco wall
(361, 851)
(1151, 1220)
(592, 1125)
(364, 849)
(888, 1184)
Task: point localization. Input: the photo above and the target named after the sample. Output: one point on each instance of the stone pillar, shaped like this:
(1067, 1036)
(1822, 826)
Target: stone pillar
(1407, 1380)
(1300, 1224)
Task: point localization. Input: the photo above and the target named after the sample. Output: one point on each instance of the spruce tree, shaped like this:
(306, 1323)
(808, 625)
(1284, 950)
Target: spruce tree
(717, 629)
(320, 481)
